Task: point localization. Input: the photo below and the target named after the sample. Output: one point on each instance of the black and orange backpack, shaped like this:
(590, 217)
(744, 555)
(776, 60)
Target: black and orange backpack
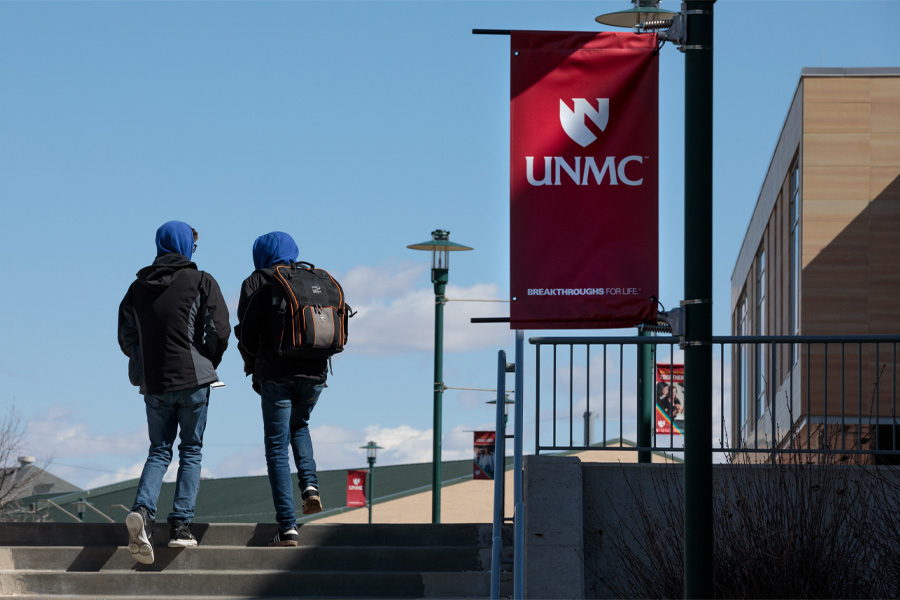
(309, 304)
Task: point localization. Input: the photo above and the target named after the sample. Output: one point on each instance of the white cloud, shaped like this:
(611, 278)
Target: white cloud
(364, 284)
(132, 471)
(246, 462)
(59, 433)
(337, 447)
(394, 317)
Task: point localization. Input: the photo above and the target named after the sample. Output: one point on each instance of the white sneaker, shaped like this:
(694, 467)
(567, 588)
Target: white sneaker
(140, 535)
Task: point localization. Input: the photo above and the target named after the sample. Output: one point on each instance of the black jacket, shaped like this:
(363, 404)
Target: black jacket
(173, 326)
(260, 357)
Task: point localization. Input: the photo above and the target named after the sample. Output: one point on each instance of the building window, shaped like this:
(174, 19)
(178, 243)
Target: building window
(743, 361)
(795, 259)
(760, 330)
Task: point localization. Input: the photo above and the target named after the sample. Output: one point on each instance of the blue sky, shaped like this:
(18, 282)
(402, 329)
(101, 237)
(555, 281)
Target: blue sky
(358, 127)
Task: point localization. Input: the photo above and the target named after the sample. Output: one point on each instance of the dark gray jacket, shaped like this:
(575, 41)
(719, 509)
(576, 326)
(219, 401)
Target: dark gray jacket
(173, 326)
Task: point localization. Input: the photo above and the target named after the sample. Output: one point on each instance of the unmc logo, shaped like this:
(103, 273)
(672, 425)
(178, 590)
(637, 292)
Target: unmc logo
(573, 121)
(583, 170)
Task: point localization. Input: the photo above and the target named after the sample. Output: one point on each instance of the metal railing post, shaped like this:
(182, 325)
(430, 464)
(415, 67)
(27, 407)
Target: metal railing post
(645, 395)
(519, 514)
(499, 476)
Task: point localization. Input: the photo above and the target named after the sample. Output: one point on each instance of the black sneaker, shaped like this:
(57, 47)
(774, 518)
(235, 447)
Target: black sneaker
(311, 502)
(286, 537)
(140, 535)
(180, 535)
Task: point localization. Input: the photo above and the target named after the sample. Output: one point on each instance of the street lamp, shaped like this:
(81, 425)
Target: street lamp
(506, 403)
(371, 450)
(440, 247)
(692, 28)
(80, 507)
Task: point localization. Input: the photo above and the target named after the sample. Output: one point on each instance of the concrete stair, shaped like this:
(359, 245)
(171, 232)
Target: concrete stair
(80, 561)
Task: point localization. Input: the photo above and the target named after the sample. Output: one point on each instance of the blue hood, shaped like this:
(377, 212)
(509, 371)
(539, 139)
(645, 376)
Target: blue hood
(175, 237)
(274, 248)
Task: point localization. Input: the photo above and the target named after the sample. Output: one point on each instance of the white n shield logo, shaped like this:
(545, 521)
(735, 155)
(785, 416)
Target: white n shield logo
(573, 121)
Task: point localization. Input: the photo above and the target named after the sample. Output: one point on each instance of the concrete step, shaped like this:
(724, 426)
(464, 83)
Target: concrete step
(260, 584)
(249, 534)
(74, 559)
(79, 561)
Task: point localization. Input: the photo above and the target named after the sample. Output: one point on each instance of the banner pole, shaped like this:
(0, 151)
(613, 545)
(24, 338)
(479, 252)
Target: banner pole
(698, 251)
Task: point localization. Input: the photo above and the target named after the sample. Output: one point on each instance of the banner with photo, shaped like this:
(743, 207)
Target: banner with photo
(356, 488)
(584, 180)
(484, 454)
(669, 399)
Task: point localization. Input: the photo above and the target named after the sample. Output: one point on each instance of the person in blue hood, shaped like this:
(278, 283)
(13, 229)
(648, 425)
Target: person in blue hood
(176, 237)
(289, 387)
(173, 327)
(274, 248)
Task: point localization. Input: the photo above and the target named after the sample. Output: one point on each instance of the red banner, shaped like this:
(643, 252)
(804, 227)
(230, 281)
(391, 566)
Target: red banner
(584, 180)
(484, 455)
(669, 399)
(356, 488)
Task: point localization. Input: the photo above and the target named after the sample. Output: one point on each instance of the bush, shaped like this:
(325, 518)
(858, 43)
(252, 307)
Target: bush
(801, 529)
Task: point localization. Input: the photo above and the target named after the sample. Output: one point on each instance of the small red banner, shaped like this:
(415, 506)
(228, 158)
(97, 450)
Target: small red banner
(356, 488)
(584, 180)
(669, 399)
(484, 454)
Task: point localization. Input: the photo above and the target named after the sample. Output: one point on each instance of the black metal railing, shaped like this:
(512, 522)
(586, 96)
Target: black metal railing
(772, 394)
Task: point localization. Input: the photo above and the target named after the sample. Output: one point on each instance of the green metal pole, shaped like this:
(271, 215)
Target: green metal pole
(371, 485)
(645, 396)
(698, 248)
(439, 277)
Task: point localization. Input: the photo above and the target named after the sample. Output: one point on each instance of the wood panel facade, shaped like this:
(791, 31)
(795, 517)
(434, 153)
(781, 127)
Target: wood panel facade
(830, 203)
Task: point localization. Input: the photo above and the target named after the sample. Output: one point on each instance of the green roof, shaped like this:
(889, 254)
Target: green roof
(249, 499)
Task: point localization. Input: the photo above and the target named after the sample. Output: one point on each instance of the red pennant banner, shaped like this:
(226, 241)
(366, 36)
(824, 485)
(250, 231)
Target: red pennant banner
(584, 180)
(669, 399)
(356, 488)
(483, 465)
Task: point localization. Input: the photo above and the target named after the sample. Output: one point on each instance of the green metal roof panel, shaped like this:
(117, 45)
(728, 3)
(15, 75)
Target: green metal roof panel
(249, 499)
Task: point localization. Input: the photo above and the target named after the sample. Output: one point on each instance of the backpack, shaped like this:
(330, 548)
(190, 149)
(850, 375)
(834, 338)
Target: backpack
(310, 313)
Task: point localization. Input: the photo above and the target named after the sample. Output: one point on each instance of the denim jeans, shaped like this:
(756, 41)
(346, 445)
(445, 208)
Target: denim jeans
(286, 405)
(166, 414)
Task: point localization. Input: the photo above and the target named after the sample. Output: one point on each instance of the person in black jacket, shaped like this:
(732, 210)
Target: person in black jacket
(289, 387)
(173, 326)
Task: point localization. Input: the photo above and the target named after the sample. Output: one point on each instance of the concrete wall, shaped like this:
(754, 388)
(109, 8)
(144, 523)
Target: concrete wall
(578, 515)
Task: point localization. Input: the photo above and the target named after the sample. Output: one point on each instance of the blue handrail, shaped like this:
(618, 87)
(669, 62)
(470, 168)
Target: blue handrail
(518, 437)
(499, 476)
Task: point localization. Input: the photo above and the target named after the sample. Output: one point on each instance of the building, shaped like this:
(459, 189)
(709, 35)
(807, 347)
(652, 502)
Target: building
(821, 257)
(26, 483)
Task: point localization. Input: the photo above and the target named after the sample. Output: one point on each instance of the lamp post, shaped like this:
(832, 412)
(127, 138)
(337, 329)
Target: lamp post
(692, 28)
(506, 403)
(371, 450)
(440, 247)
(80, 507)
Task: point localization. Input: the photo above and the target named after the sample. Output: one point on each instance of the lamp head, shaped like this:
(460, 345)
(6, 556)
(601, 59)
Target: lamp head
(371, 450)
(440, 247)
(644, 13)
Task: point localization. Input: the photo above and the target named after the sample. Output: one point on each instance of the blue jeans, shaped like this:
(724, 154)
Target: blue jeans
(286, 405)
(166, 413)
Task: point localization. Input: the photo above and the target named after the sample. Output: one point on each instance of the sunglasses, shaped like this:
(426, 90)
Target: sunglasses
(194, 231)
